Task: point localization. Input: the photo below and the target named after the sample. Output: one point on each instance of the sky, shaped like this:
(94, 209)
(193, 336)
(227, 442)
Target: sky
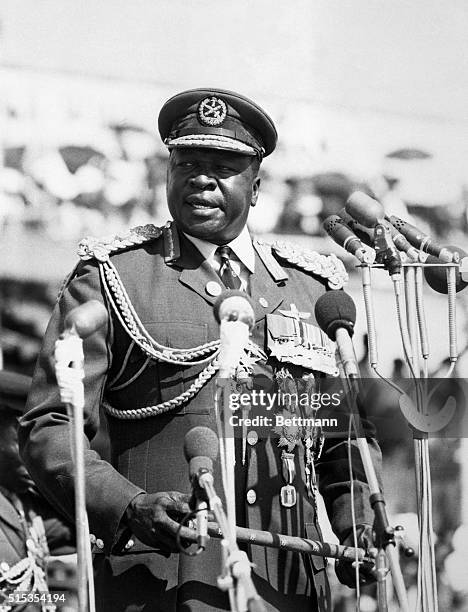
(368, 76)
(399, 56)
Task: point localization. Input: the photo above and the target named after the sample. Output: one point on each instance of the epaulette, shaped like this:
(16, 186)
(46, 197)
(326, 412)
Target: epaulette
(264, 252)
(101, 248)
(327, 266)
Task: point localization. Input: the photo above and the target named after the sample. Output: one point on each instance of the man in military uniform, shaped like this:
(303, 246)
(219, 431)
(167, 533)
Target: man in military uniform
(153, 364)
(29, 527)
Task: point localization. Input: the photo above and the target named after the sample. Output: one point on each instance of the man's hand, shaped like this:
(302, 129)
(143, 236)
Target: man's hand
(345, 570)
(154, 518)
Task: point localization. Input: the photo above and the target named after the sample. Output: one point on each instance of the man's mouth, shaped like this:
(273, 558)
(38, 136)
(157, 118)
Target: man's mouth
(200, 203)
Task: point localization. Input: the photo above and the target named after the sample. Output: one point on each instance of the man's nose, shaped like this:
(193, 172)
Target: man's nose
(203, 182)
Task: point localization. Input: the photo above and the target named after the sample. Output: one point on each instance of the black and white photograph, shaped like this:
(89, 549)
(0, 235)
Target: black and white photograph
(233, 317)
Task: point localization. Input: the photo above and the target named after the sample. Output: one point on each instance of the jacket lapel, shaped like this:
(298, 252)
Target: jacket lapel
(266, 294)
(196, 272)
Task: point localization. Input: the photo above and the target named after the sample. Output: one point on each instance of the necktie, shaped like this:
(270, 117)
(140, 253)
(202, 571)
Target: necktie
(227, 274)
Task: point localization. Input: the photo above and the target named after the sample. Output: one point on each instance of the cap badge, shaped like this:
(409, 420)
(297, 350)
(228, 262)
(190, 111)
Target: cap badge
(212, 111)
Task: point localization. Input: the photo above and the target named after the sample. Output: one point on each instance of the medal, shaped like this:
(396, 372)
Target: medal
(288, 495)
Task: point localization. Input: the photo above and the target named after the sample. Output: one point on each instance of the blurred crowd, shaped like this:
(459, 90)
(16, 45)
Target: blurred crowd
(102, 180)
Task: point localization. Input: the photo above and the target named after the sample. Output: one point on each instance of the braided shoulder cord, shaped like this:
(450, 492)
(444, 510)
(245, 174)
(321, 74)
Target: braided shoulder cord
(134, 327)
(172, 404)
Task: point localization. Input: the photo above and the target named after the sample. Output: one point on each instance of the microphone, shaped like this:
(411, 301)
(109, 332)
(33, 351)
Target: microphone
(335, 312)
(387, 253)
(233, 305)
(436, 277)
(423, 241)
(364, 209)
(346, 238)
(80, 323)
(234, 312)
(364, 234)
(379, 238)
(369, 212)
(84, 320)
(200, 450)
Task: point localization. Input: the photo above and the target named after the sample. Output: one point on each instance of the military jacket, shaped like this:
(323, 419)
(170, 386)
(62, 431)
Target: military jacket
(165, 280)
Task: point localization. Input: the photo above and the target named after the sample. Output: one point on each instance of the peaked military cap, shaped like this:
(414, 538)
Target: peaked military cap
(14, 389)
(217, 119)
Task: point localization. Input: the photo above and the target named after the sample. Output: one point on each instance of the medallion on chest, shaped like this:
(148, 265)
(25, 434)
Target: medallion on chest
(290, 339)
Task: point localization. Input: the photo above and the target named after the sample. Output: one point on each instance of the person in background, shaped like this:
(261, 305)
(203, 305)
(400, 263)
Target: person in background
(30, 530)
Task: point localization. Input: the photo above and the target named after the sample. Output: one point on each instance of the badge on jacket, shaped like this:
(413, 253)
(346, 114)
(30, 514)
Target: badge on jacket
(291, 340)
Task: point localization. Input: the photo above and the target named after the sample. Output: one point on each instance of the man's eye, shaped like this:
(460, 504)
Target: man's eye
(185, 164)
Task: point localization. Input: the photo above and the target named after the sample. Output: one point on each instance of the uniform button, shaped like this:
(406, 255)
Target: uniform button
(252, 438)
(213, 288)
(251, 496)
(4, 567)
(99, 543)
(263, 302)
(129, 544)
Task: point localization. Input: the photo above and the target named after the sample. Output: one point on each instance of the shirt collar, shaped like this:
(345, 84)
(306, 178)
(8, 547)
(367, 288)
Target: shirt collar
(241, 246)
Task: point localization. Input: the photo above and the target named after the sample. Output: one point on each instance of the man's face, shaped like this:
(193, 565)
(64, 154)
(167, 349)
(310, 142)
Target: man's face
(13, 473)
(210, 192)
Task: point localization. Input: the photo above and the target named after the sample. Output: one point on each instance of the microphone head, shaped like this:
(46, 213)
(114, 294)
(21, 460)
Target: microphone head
(364, 209)
(335, 309)
(87, 318)
(437, 277)
(200, 442)
(200, 449)
(233, 305)
(331, 223)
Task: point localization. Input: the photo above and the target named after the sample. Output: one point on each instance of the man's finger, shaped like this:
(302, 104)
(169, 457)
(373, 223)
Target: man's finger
(179, 506)
(169, 525)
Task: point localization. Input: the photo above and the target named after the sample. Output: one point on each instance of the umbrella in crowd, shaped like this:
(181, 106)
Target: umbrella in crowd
(427, 179)
(408, 154)
(76, 156)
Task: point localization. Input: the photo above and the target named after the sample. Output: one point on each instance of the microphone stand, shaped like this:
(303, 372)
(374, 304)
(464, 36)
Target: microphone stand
(413, 331)
(236, 577)
(237, 562)
(420, 420)
(414, 343)
(69, 364)
(385, 533)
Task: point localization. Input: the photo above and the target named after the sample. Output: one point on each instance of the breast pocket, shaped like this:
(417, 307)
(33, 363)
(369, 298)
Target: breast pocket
(176, 379)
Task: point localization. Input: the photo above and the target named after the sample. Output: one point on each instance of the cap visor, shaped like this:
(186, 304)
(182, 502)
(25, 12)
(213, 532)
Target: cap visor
(211, 141)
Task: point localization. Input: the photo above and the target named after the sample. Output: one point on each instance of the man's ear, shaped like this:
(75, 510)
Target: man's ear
(255, 190)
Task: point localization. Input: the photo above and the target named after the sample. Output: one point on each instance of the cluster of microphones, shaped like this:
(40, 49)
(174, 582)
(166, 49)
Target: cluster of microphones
(392, 241)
